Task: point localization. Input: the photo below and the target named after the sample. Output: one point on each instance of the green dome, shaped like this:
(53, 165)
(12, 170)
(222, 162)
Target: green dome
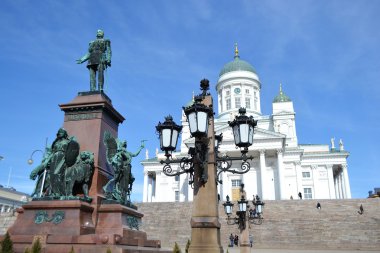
(281, 97)
(237, 65)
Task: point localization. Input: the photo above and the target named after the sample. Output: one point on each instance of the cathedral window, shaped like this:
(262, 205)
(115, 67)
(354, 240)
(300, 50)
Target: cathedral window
(307, 193)
(246, 91)
(176, 196)
(248, 103)
(306, 174)
(177, 178)
(228, 104)
(228, 92)
(237, 102)
(236, 182)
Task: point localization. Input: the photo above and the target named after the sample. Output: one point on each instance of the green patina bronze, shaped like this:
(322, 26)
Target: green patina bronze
(43, 179)
(281, 97)
(42, 216)
(133, 222)
(120, 186)
(98, 59)
(64, 171)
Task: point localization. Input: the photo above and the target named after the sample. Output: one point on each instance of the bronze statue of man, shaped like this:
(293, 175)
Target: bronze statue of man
(98, 59)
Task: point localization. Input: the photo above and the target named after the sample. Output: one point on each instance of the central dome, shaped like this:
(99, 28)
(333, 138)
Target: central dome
(237, 65)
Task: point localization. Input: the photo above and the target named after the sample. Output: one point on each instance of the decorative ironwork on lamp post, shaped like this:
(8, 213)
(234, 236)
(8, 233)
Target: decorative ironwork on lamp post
(203, 161)
(254, 216)
(198, 116)
(244, 217)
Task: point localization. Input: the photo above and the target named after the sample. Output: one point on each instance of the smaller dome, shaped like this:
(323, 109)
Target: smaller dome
(237, 65)
(281, 97)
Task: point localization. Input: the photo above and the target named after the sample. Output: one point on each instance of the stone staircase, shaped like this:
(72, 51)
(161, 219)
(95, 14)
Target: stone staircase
(6, 220)
(288, 224)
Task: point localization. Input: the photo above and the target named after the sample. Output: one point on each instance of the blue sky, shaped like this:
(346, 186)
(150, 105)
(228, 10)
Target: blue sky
(325, 53)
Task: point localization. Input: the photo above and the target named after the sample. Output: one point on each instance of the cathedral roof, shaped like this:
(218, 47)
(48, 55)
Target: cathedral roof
(281, 97)
(237, 65)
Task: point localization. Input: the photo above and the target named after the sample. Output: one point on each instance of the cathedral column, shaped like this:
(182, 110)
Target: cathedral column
(330, 178)
(151, 184)
(183, 181)
(145, 189)
(314, 171)
(343, 186)
(263, 174)
(337, 186)
(346, 181)
(339, 179)
(280, 173)
(299, 178)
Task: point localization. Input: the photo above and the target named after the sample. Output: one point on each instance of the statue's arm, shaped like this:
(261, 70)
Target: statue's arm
(108, 53)
(141, 148)
(86, 56)
(37, 171)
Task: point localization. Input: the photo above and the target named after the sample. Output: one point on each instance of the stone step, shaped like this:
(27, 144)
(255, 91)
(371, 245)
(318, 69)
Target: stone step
(287, 224)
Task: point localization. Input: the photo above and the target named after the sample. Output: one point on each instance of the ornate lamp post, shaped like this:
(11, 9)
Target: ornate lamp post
(244, 217)
(30, 160)
(204, 165)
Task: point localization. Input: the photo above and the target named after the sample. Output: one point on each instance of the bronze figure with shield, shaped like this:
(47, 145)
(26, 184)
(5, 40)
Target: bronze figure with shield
(64, 166)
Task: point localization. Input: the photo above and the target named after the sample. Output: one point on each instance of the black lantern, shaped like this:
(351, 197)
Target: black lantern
(218, 140)
(198, 115)
(228, 206)
(243, 128)
(242, 204)
(258, 205)
(168, 132)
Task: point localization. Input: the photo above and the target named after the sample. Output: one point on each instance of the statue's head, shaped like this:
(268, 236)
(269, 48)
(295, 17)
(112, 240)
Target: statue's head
(124, 144)
(87, 156)
(99, 34)
(62, 133)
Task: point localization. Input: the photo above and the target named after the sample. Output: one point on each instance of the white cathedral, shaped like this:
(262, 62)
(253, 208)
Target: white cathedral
(281, 168)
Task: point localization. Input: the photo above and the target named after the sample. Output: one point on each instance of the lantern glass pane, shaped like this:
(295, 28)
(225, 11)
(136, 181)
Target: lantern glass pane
(165, 137)
(174, 138)
(250, 137)
(242, 207)
(236, 135)
(202, 122)
(244, 128)
(192, 122)
(228, 209)
(258, 209)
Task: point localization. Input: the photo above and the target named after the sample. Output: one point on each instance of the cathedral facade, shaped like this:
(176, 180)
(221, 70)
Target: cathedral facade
(281, 167)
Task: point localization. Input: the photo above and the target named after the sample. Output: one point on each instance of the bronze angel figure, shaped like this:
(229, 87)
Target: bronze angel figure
(119, 188)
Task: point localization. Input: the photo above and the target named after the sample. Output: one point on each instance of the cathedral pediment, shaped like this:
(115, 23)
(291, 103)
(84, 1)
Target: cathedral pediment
(283, 112)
